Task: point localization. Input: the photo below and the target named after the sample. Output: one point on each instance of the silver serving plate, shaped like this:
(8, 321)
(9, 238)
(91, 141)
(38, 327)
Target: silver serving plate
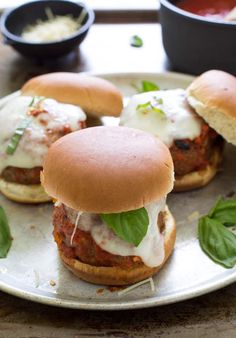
(32, 269)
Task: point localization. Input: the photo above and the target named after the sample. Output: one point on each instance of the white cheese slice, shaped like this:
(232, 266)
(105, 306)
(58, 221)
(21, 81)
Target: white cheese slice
(35, 141)
(178, 121)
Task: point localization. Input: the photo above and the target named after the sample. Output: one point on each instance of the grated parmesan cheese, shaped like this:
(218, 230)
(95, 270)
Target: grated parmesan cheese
(55, 28)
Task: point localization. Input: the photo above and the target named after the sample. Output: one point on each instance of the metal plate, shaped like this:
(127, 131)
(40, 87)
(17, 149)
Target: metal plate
(33, 270)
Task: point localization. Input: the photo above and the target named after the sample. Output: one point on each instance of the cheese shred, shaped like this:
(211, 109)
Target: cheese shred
(75, 227)
(134, 286)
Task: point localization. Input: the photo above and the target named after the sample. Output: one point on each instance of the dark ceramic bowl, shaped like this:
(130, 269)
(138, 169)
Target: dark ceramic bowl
(195, 44)
(14, 21)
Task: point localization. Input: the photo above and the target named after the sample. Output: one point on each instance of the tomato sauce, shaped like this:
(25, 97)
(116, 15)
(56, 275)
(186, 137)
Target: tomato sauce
(215, 9)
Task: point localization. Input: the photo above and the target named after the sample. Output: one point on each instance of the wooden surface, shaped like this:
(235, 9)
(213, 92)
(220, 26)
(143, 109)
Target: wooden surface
(107, 49)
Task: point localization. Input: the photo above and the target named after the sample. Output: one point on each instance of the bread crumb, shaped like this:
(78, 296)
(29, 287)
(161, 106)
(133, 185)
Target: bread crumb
(52, 282)
(193, 216)
(101, 290)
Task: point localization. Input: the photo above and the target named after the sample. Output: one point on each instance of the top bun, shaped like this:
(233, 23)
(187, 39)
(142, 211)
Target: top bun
(108, 169)
(213, 97)
(94, 95)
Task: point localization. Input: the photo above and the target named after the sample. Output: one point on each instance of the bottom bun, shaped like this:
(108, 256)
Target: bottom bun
(21, 193)
(121, 276)
(198, 179)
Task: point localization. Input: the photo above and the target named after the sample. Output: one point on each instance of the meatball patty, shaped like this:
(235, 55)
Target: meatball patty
(84, 247)
(22, 175)
(193, 155)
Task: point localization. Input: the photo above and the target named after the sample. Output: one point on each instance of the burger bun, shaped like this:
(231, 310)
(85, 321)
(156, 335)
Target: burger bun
(96, 96)
(21, 193)
(212, 95)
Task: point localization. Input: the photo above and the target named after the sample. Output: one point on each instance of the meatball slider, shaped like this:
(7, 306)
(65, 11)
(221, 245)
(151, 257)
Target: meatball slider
(49, 107)
(111, 222)
(96, 96)
(212, 95)
(195, 147)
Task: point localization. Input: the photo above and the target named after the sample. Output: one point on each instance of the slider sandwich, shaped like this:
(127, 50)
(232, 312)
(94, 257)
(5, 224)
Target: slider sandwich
(49, 107)
(195, 147)
(111, 222)
(212, 96)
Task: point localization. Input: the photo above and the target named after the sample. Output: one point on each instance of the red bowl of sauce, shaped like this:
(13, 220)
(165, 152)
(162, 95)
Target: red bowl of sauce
(196, 37)
(214, 9)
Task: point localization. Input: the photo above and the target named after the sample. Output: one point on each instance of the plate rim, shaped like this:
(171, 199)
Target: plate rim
(40, 296)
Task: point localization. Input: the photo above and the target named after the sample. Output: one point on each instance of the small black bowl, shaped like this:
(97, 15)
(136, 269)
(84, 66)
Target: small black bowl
(13, 22)
(194, 43)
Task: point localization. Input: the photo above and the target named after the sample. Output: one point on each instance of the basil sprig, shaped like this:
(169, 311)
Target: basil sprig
(136, 41)
(218, 242)
(5, 235)
(131, 226)
(15, 139)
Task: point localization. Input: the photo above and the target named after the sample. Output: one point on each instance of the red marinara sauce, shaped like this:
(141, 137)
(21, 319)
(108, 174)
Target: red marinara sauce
(215, 9)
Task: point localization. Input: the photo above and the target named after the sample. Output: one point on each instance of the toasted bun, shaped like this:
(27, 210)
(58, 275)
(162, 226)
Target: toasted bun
(213, 97)
(117, 275)
(23, 193)
(108, 169)
(198, 179)
(94, 95)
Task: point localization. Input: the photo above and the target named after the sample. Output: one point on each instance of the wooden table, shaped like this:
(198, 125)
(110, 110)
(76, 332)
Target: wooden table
(107, 49)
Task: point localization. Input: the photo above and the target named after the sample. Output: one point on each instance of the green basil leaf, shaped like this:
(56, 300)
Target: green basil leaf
(158, 110)
(224, 211)
(136, 41)
(152, 107)
(5, 235)
(143, 105)
(148, 86)
(32, 101)
(131, 226)
(15, 139)
(217, 242)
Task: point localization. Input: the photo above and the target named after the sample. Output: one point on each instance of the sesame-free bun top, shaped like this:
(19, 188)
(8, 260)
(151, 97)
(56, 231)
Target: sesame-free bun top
(213, 97)
(108, 169)
(94, 95)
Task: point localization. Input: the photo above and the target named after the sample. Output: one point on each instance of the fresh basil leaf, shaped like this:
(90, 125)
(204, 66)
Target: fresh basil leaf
(158, 110)
(131, 226)
(152, 107)
(5, 235)
(143, 105)
(211, 212)
(217, 242)
(15, 139)
(32, 101)
(148, 86)
(224, 211)
(136, 41)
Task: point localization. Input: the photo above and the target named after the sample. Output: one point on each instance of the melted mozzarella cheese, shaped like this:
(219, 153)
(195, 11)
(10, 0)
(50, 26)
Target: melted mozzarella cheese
(177, 122)
(43, 129)
(150, 250)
